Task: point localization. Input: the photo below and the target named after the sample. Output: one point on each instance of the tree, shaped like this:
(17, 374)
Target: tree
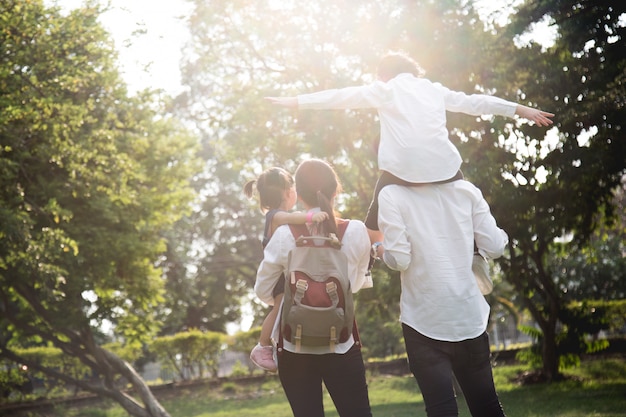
(547, 192)
(209, 267)
(598, 269)
(190, 354)
(91, 179)
(242, 51)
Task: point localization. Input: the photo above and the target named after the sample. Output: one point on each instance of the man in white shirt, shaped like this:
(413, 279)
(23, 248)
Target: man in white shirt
(414, 140)
(429, 234)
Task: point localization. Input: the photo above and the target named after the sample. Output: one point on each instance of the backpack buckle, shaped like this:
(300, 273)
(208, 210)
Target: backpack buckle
(298, 338)
(302, 285)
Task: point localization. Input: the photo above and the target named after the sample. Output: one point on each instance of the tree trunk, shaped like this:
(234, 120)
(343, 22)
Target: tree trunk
(152, 407)
(549, 353)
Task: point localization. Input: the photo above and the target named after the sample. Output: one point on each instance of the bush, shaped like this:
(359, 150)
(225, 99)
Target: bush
(190, 354)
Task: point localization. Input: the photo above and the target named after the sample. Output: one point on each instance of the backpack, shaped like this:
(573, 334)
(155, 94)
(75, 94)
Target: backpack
(318, 308)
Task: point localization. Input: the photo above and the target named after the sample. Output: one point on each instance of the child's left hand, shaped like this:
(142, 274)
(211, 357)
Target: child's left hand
(540, 117)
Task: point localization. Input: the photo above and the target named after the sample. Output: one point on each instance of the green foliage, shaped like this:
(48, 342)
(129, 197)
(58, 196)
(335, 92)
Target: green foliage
(239, 370)
(90, 181)
(13, 377)
(578, 335)
(190, 354)
(546, 189)
(600, 315)
(230, 388)
(53, 358)
(531, 356)
(597, 269)
(243, 341)
(245, 50)
(127, 352)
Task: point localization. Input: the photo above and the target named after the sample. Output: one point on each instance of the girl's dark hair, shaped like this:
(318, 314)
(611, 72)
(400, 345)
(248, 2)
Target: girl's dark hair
(394, 63)
(271, 186)
(317, 184)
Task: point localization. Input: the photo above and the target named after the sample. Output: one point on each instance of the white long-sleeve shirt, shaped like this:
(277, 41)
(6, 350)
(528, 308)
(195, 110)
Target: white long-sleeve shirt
(356, 246)
(414, 139)
(429, 233)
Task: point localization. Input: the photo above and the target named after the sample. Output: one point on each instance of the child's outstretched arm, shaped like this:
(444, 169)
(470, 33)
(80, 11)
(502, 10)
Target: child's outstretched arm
(298, 217)
(284, 101)
(540, 117)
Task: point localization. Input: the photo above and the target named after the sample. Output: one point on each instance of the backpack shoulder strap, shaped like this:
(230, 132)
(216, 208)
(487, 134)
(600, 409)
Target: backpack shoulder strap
(342, 225)
(298, 230)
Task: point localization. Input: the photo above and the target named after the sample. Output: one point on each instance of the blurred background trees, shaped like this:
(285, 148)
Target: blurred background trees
(91, 180)
(112, 228)
(547, 188)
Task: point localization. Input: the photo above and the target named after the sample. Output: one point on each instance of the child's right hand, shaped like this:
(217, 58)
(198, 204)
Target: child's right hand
(319, 217)
(540, 117)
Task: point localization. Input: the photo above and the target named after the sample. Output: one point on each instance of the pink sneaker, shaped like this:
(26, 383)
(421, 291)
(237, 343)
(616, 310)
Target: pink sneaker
(263, 357)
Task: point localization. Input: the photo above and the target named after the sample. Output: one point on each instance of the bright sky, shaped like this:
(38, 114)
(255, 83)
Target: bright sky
(152, 59)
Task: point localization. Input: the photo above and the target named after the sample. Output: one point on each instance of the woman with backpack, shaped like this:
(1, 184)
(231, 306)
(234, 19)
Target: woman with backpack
(304, 365)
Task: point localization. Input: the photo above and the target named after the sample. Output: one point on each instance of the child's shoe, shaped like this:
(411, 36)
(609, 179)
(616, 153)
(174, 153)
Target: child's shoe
(263, 357)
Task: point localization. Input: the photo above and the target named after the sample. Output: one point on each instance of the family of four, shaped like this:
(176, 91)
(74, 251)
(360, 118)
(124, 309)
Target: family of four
(424, 220)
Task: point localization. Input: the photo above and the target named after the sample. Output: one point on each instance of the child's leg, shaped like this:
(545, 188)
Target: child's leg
(385, 179)
(263, 353)
(265, 339)
(371, 220)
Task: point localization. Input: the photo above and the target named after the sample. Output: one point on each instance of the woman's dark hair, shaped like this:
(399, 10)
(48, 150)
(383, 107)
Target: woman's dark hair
(394, 63)
(317, 185)
(271, 186)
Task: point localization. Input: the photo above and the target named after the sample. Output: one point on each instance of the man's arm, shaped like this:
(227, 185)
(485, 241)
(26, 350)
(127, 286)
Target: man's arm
(396, 248)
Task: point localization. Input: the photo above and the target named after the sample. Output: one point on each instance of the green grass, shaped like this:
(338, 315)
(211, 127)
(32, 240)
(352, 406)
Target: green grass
(596, 389)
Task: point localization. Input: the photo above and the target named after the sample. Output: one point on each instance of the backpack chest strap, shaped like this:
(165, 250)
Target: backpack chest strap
(302, 285)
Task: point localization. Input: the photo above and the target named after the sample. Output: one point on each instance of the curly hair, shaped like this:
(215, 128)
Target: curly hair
(394, 63)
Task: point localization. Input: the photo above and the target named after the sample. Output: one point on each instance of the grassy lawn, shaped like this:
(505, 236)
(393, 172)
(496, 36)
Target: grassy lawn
(596, 389)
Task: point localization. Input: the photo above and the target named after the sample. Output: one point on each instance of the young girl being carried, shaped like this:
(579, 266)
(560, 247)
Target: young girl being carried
(277, 195)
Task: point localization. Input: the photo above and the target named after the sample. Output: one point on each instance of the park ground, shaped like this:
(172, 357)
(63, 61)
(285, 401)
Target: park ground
(597, 388)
